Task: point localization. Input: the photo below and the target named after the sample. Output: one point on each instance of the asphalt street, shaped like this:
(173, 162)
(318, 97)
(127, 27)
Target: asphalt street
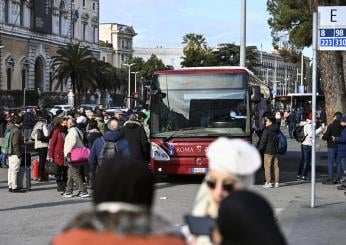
(36, 216)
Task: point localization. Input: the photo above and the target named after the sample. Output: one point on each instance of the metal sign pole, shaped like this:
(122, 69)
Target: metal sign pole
(314, 72)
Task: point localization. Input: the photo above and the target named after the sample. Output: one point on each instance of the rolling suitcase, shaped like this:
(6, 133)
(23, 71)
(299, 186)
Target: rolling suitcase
(24, 174)
(24, 178)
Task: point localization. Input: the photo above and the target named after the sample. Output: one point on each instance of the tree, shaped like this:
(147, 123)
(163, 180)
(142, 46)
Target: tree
(150, 66)
(194, 41)
(77, 64)
(292, 19)
(196, 52)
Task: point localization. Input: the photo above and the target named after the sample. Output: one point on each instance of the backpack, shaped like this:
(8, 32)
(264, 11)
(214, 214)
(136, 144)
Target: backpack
(6, 148)
(298, 133)
(109, 151)
(281, 144)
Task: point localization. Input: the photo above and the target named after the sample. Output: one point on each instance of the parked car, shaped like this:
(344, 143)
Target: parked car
(88, 107)
(64, 108)
(111, 111)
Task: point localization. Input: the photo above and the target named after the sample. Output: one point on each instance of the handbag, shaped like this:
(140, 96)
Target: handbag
(51, 167)
(80, 154)
(40, 135)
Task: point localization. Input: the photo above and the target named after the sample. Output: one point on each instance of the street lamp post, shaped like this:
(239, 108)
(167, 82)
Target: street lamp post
(243, 34)
(129, 86)
(1, 47)
(136, 72)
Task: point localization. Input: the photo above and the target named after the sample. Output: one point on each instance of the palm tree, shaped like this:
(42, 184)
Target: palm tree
(106, 76)
(75, 63)
(194, 41)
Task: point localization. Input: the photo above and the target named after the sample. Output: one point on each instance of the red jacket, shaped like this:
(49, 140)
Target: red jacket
(87, 237)
(56, 146)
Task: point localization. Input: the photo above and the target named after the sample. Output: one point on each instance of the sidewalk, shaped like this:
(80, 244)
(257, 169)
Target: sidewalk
(322, 225)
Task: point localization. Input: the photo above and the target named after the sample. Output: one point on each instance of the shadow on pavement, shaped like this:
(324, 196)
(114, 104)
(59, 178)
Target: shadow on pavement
(45, 205)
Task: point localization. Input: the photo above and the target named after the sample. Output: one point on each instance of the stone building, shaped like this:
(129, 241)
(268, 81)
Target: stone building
(121, 38)
(31, 31)
(280, 75)
(169, 56)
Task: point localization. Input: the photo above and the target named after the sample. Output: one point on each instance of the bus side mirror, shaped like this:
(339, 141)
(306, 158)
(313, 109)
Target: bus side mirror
(255, 94)
(158, 93)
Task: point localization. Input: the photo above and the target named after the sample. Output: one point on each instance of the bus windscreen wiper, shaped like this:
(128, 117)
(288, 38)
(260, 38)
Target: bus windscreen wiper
(179, 131)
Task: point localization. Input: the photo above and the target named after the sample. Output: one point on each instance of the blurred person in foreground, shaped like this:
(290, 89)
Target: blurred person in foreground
(232, 167)
(245, 218)
(122, 214)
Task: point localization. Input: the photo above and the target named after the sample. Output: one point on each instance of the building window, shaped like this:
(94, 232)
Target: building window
(84, 31)
(104, 59)
(50, 81)
(94, 34)
(61, 17)
(23, 79)
(83, 3)
(94, 6)
(10, 66)
(73, 29)
(21, 13)
(7, 11)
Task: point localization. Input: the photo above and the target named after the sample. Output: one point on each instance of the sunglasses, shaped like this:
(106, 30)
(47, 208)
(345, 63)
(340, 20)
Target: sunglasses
(229, 187)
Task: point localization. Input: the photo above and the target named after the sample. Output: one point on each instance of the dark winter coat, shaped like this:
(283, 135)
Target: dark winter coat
(56, 146)
(333, 129)
(17, 140)
(341, 141)
(29, 120)
(91, 136)
(268, 139)
(292, 118)
(138, 141)
(113, 136)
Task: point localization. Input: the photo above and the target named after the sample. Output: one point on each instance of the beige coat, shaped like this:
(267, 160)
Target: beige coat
(40, 125)
(73, 140)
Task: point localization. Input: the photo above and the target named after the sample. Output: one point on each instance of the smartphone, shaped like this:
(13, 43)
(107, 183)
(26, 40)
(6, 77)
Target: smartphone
(200, 225)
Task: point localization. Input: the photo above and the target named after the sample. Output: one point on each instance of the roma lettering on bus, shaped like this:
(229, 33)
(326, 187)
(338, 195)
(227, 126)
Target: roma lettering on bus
(184, 149)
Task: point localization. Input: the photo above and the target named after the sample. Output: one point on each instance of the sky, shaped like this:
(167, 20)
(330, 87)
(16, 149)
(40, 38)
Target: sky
(165, 22)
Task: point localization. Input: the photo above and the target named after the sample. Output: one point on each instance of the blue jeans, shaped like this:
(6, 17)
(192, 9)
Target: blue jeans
(306, 159)
(3, 160)
(333, 157)
(343, 165)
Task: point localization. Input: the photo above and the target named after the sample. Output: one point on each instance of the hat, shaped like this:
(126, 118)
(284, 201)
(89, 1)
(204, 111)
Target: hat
(81, 119)
(233, 155)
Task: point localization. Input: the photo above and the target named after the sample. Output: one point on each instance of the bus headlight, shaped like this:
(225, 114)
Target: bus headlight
(157, 153)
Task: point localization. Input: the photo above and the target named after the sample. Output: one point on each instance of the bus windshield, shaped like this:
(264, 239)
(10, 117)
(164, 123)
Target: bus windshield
(195, 105)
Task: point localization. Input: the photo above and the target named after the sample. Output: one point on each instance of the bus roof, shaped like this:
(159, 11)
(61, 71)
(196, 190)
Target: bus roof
(214, 69)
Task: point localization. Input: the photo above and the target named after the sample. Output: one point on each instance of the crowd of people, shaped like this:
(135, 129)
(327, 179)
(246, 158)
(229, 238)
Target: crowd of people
(109, 155)
(56, 138)
(299, 126)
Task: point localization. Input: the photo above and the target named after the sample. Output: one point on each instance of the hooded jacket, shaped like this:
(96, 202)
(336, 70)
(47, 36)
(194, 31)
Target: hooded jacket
(268, 139)
(113, 136)
(138, 141)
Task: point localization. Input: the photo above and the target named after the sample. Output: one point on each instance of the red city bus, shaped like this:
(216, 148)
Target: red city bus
(191, 107)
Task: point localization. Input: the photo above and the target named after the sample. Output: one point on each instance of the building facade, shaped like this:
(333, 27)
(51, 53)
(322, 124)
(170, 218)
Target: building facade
(281, 76)
(121, 37)
(169, 56)
(31, 31)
